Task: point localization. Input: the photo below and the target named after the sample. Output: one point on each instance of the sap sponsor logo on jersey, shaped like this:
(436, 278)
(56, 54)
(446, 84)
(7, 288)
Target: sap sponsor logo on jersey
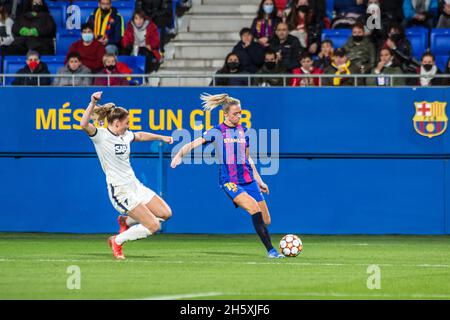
(120, 148)
(66, 118)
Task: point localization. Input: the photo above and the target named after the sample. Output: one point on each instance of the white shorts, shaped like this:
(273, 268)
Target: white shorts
(127, 197)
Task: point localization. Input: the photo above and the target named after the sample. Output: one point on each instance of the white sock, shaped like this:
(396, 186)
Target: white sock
(136, 232)
(130, 221)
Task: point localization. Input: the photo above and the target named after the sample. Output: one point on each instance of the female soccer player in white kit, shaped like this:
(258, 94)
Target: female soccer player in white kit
(140, 208)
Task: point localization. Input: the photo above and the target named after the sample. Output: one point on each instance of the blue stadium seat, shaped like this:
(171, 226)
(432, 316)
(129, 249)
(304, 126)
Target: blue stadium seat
(57, 10)
(12, 64)
(338, 36)
(440, 42)
(65, 38)
(441, 62)
(418, 37)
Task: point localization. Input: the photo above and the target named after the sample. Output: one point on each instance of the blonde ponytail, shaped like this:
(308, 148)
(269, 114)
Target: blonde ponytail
(101, 112)
(212, 101)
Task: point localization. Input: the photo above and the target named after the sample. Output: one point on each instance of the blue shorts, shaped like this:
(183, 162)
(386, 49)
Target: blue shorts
(233, 190)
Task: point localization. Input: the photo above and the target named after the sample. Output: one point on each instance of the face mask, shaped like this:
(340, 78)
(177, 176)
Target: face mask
(268, 8)
(111, 67)
(358, 38)
(427, 67)
(303, 8)
(87, 37)
(395, 37)
(270, 65)
(36, 7)
(33, 65)
(233, 65)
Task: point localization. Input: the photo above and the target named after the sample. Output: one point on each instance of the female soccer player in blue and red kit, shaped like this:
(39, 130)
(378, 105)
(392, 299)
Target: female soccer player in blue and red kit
(238, 176)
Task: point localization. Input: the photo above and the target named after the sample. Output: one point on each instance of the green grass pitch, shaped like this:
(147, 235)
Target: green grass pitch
(167, 266)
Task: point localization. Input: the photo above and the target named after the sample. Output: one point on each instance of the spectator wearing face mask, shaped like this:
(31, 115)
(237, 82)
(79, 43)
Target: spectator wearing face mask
(401, 48)
(428, 70)
(302, 24)
(33, 30)
(250, 53)
(385, 67)
(263, 26)
(287, 47)
(306, 67)
(444, 18)
(324, 58)
(110, 68)
(419, 13)
(271, 66)
(73, 69)
(108, 26)
(231, 67)
(34, 66)
(360, 50)
(90, 50)
(340, 67)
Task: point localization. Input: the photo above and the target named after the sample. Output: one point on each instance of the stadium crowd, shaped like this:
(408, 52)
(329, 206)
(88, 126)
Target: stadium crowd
(28, 29)
(284, 38)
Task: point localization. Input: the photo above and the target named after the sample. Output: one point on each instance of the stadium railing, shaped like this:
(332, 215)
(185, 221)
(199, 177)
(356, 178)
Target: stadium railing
(145, 79)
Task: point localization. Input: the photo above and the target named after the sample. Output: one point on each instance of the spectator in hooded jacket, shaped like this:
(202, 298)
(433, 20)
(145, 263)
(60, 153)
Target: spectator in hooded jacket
(34, 66)
(91, 51)
(160, 12)
(271, 66)
(141, 38)
(108, 26)
(250, 53)
(33, 30)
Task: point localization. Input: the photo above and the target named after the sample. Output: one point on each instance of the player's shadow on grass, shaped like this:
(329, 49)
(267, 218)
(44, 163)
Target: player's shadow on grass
(230, 254)
(129, 256)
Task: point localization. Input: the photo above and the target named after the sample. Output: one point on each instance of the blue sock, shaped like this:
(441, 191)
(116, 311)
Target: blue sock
(261, 230)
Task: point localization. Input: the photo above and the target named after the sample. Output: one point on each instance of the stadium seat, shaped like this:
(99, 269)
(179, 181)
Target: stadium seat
(57, 10)
(440, 42)
(64, 39)
(418, 37)
(441, 62)
(13, 63)
(338, 36)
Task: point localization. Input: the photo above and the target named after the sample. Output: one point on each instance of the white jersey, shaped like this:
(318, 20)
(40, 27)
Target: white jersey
(114, 154)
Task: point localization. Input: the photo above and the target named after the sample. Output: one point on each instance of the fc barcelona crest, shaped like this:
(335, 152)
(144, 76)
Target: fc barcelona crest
(430, 119)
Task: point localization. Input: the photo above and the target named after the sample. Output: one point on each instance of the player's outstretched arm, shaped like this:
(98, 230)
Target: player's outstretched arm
(264, 187)
(88, 127)
(147, 136)
(187, 148)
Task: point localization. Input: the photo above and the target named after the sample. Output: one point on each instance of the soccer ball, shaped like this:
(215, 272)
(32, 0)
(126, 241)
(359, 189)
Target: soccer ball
(291, 245)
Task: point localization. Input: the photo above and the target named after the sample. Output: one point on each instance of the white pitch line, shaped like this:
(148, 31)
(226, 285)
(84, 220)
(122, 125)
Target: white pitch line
(277, 263)
(184, 296)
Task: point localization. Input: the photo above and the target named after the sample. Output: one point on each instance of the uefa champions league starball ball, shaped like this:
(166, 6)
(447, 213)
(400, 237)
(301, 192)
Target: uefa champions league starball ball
(291, 245)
